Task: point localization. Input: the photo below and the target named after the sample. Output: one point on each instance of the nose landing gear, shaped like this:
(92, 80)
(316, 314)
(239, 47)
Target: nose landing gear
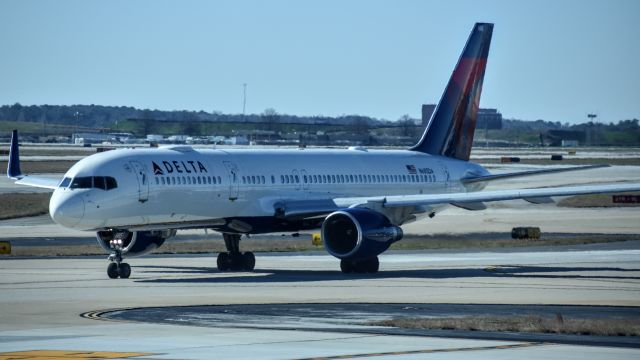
(117, 268)
(233, 259)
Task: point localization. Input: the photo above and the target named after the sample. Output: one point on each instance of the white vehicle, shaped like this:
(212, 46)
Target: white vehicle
(137, 198)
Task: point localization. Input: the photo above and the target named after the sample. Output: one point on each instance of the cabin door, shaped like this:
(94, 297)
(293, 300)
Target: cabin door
(143, 180)
(234, 179)
(305, 179)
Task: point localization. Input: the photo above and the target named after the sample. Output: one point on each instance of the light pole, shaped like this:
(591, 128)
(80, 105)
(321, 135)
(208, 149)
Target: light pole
(594, 133)
(77, 115)
(244, 99)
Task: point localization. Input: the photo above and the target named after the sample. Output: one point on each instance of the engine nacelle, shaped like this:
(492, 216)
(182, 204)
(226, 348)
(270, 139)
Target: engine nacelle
(358, 233)
(133, 243)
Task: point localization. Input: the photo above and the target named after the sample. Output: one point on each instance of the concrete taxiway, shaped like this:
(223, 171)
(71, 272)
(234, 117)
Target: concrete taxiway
(41, 302)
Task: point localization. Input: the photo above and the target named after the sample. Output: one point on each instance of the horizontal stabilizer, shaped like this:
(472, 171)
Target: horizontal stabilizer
(39, 182)
(14, 172)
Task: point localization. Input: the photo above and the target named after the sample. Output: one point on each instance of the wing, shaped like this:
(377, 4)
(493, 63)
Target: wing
(487, 196)
(14, 172)
(492, 177)
(466, 200)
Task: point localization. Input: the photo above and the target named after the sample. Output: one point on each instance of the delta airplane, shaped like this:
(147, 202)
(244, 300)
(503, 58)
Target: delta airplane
(135, 199)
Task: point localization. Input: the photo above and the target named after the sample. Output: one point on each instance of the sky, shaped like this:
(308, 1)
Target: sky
(553, 60)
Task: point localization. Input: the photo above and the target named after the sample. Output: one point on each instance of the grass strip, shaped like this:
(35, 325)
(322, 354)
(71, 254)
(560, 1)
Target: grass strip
(557, 324)
(16, 205)
(273, 244)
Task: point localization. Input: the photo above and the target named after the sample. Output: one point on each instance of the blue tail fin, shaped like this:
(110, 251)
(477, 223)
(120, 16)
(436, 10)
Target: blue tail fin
(13, 167)
(450, 130)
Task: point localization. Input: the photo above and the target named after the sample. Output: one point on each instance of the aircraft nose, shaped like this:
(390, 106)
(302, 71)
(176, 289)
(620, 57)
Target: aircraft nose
(67, 211)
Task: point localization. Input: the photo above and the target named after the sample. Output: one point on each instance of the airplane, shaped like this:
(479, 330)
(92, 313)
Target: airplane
(136, 199)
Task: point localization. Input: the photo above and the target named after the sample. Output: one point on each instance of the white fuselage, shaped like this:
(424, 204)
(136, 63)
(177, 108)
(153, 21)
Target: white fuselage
(179, 187)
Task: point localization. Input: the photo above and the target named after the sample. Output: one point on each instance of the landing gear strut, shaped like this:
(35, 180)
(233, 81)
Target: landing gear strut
(360, 266)
(116, 267)
(233, 259)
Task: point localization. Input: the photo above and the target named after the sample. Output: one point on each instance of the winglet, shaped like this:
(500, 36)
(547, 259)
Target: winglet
(13, 167)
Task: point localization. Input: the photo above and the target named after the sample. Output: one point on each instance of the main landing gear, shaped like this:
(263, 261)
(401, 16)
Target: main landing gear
(233, 259)
(360, 266)
(117, 268)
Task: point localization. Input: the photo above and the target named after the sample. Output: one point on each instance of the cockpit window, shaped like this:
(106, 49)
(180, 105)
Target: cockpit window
(111, 182)
(82, 182)
(98, 182)
(65, 182)
(87, 182)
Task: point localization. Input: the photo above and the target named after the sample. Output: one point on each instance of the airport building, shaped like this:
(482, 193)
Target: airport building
(91, 138)
(487, 118)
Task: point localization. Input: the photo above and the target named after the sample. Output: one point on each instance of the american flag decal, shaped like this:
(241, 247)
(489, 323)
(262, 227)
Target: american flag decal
(412, 169)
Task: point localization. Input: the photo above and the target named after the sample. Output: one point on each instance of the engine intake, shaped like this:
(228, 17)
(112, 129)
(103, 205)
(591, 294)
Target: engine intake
(357, 233)
(133, 243)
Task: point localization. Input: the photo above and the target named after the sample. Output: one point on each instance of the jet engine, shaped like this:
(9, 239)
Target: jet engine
(134, 243)
(358, 234)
